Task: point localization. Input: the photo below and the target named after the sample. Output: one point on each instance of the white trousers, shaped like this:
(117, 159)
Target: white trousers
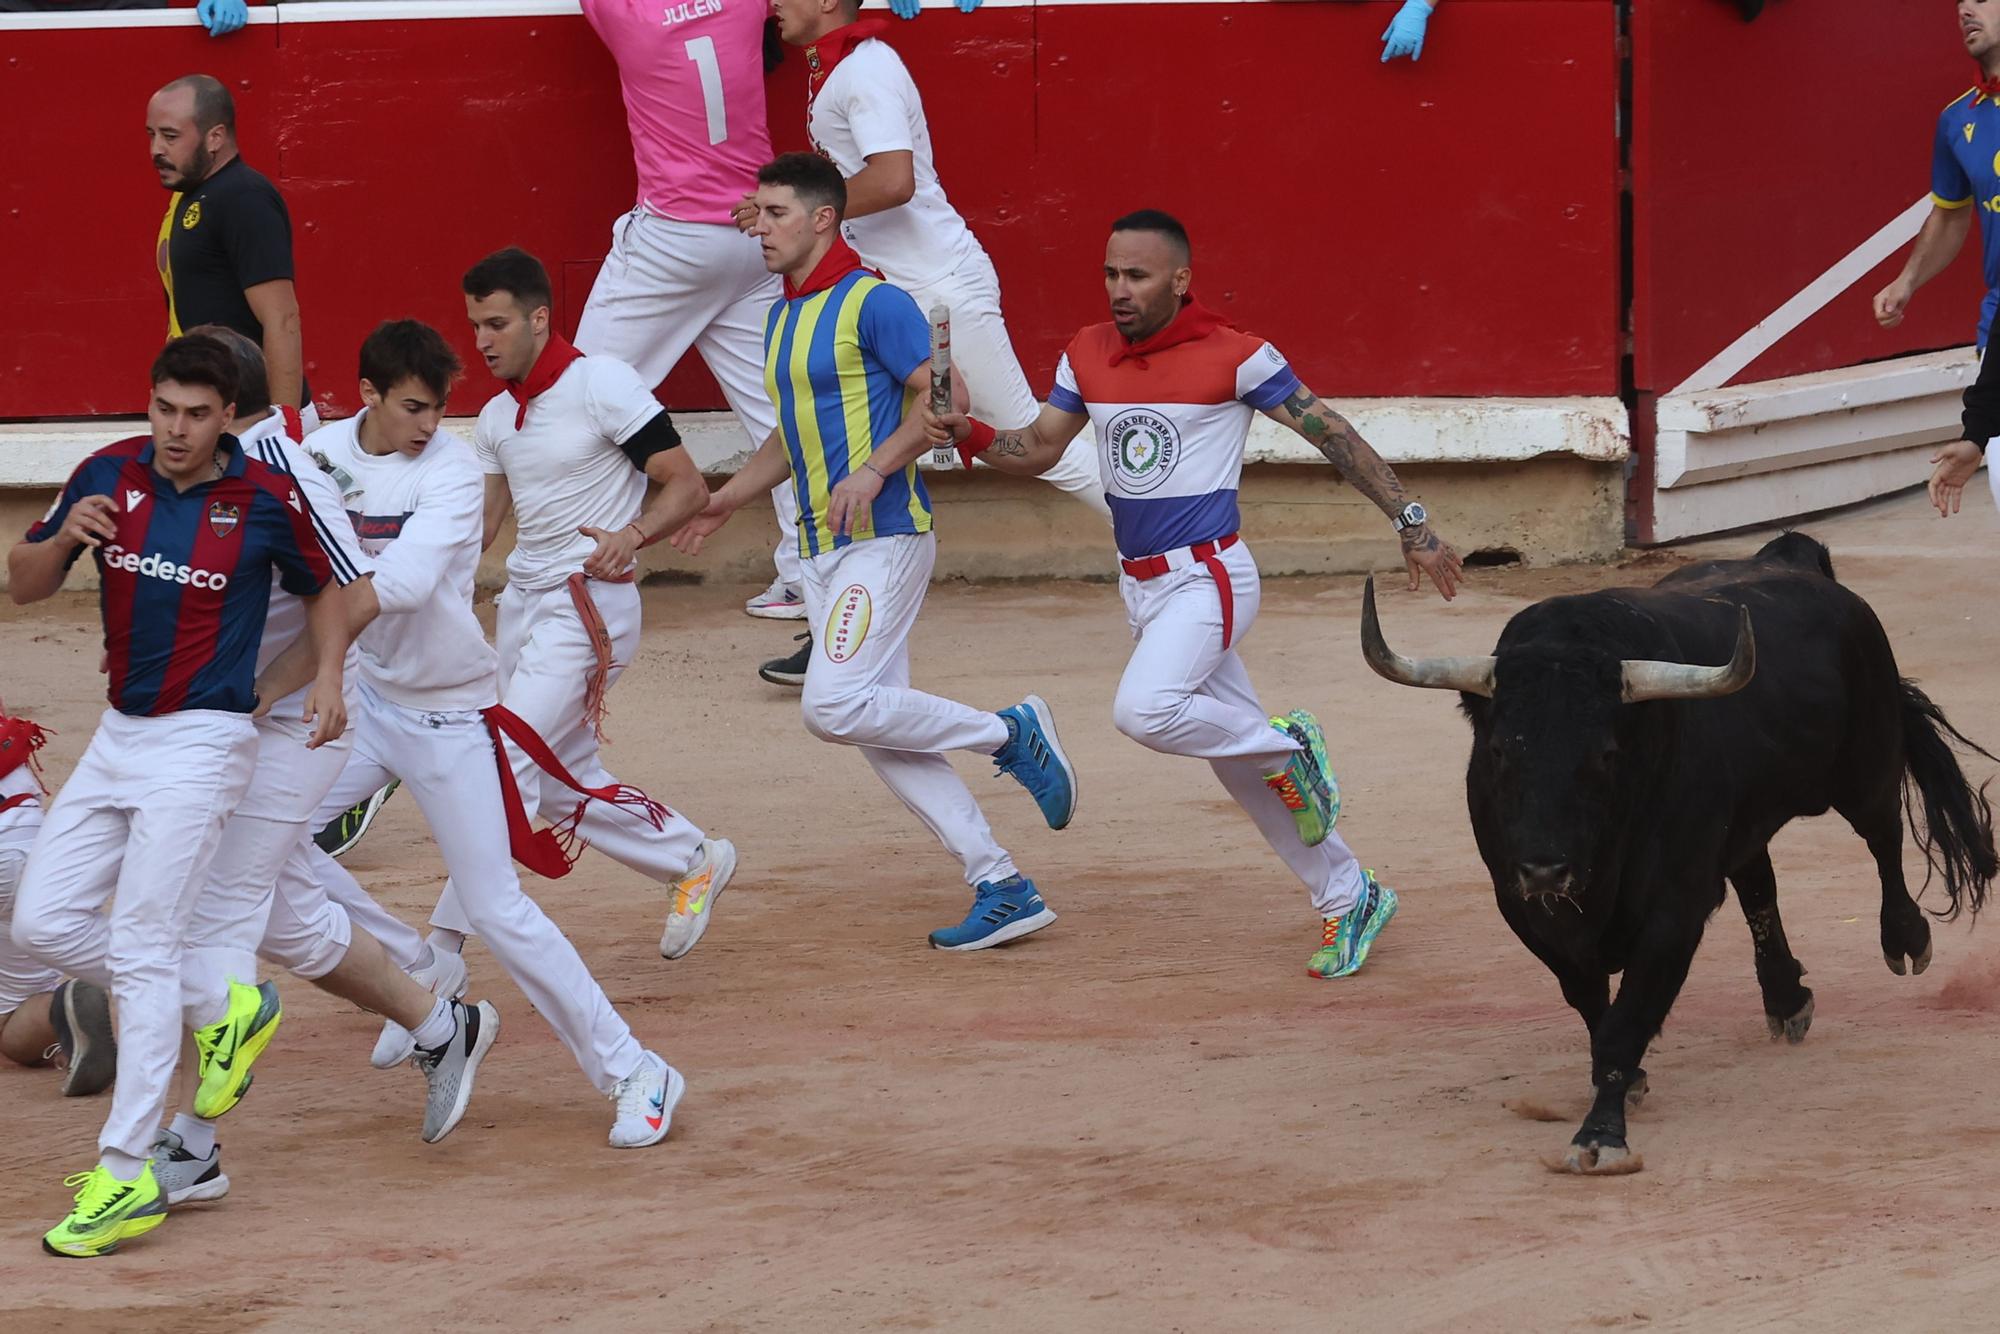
(1001, 396)
(863, 600)
(135, 828)
(1185, 692)
(21, 974)
(446, 762)
(667, 286)
(268, 833)
(546, 656)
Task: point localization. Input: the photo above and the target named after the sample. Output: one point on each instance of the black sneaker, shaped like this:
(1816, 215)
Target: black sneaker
(344, 830)
(790, 671)
(85, 1048)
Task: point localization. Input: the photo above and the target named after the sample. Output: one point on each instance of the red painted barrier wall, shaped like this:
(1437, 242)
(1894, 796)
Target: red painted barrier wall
(1448, 228)
(1762, 154)
(1445, 228)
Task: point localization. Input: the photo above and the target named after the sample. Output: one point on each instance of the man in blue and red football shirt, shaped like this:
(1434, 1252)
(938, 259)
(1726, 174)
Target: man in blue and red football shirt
(186, 530)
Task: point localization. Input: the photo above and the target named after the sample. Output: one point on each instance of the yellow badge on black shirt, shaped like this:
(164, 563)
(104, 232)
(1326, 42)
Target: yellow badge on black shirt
(191, 218)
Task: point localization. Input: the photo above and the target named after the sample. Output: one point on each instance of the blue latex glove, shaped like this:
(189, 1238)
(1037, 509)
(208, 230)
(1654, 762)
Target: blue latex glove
(909, 9)
(222, 17)
(1405, 34)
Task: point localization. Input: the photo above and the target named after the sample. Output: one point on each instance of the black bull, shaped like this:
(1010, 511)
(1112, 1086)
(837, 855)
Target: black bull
(1614, 786)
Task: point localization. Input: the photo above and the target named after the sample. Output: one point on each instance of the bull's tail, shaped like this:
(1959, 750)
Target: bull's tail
(1956, 831)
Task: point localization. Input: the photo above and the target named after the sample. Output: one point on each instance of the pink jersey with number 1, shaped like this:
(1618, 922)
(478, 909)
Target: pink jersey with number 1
(692, 72)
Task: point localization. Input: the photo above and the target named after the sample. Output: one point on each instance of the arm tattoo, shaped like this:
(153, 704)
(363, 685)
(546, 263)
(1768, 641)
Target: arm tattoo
(1334, 436)
(1009, 444)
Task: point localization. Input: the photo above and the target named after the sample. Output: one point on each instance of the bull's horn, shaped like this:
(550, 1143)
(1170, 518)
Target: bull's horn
(1679, 680)
(1474, 676)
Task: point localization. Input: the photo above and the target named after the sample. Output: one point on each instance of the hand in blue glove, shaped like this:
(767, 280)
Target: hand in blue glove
(222, 17)
(1405, 34)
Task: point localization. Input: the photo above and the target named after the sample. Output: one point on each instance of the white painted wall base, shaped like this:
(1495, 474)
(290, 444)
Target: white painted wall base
(1406, 430)
(1755, 453)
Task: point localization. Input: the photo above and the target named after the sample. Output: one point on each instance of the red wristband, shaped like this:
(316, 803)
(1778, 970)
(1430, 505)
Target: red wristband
(977, 441)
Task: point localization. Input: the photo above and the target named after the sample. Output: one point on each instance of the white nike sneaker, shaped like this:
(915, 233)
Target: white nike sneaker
(445, 975)
(646, 1100)
(780, 602)
(695, 896)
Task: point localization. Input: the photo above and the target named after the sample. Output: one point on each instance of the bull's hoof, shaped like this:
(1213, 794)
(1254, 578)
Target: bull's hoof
(1909, 938)
(1794, 1029)
(1635, 1092)
(1599, 1160)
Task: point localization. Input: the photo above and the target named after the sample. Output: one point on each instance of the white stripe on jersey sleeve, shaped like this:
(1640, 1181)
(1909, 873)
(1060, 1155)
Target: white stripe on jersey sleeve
(1065, 397)
(1265, 379)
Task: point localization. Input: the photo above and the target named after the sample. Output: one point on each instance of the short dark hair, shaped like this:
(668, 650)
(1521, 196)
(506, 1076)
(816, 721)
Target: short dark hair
(515, 272)
(213, 105)
(1161, 223)
(197, 359)
(402, 350)
(253, 384)
(817, 182)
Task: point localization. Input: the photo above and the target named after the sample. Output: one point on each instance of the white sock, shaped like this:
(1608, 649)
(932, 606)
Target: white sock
(197, 1135)
(438, 1029)
(442, 938)
(121, 1164)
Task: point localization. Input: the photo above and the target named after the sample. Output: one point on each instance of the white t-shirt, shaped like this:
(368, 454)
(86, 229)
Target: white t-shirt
(419, 521)
(870, 105)
(268, 442)
(564, 465)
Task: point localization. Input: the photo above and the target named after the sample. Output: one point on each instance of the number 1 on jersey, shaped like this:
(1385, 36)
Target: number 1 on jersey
(701, 50)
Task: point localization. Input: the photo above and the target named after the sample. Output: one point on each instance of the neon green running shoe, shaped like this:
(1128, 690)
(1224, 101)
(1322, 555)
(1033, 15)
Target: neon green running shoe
(108, 1211)
(1306, 784)
(228, 1049)
(1343, 946)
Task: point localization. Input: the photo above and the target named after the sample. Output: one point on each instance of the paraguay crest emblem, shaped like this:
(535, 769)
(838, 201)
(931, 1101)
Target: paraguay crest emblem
(223, 518)
(1144, 447)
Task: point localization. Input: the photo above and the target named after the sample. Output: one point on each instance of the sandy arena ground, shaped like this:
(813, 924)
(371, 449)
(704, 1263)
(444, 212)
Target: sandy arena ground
(1148, 1117)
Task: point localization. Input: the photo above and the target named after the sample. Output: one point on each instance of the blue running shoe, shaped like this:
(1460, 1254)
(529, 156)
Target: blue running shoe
(1344, 941)
(1000, 912)
(1035, 759)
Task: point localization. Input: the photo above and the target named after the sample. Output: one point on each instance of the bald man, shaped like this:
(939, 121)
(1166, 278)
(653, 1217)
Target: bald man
(225, 244)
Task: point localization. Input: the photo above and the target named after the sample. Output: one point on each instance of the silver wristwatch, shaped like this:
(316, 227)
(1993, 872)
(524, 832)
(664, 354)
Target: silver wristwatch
(1411, 515)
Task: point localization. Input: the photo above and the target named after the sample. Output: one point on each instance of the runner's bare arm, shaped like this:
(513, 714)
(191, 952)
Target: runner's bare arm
(886, 181)
(1029, 451)
(769, 466)
(499, 503)
(1334, 436)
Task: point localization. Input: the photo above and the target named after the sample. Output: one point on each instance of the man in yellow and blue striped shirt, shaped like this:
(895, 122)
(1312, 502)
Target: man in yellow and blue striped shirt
(847, 361)
(841, 354)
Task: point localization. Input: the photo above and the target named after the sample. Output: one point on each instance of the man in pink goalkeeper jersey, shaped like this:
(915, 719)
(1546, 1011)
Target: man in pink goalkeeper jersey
(680, 274)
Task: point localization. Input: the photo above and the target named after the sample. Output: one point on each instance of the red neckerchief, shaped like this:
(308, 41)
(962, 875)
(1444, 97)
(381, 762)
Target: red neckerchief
(1194, 321)
(1988, 90)
(834, 265)
(548, 368)
(833, 48)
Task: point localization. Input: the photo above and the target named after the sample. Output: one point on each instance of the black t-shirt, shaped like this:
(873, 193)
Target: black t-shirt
(229, 233)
